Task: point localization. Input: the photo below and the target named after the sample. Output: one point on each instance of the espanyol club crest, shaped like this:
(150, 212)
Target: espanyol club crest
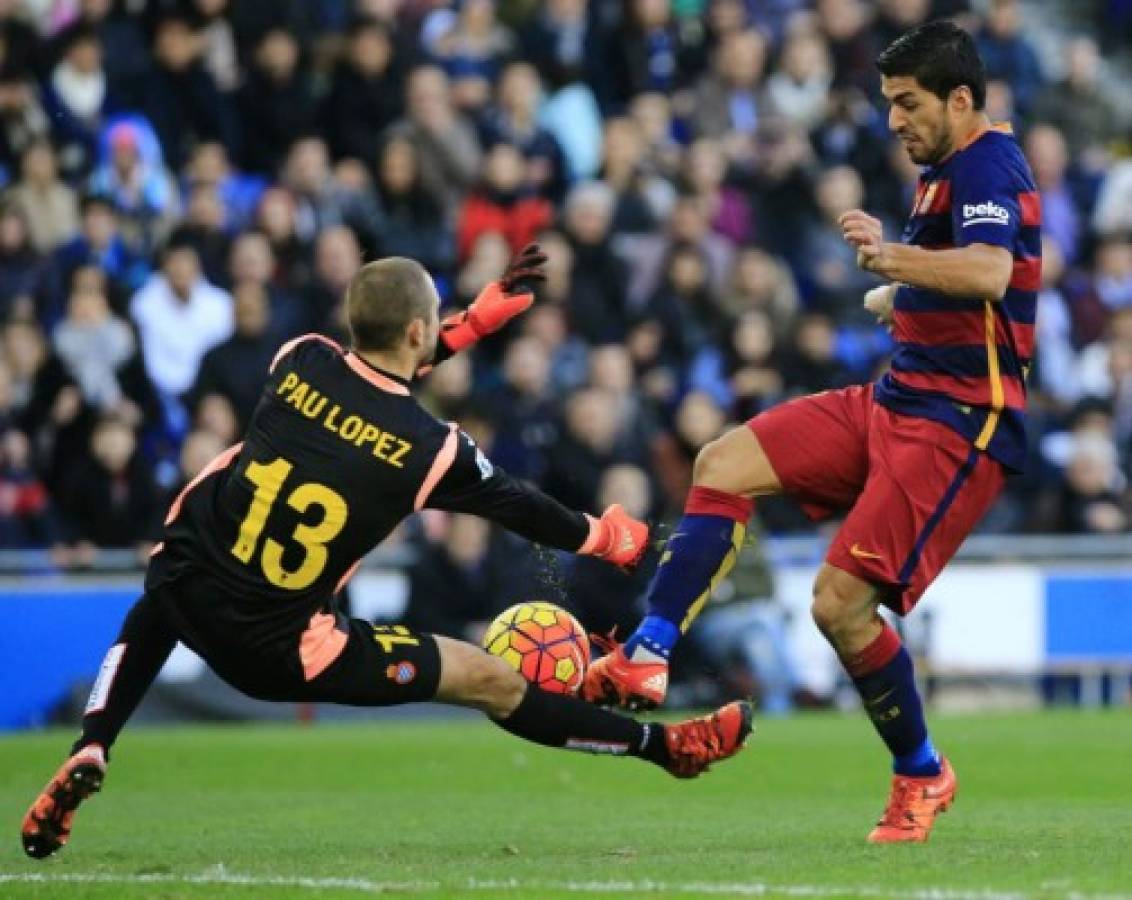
(402, 672)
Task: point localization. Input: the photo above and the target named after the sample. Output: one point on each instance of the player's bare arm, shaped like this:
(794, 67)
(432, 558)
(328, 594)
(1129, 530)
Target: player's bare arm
(977, 271)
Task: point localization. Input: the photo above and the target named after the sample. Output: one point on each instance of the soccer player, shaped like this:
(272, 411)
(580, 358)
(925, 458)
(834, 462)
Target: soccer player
(255, 549)
(917, 458)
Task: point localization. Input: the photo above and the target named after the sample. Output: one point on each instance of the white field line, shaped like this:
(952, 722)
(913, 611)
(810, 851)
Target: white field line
(219, 876)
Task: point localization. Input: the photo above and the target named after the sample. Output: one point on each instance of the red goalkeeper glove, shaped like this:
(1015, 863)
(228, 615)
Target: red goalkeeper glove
(616, 537)
(498, 303)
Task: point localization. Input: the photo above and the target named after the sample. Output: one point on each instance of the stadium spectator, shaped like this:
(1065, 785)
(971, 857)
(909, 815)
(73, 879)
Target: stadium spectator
(809, 363)
(1095, 295)
(471, 46)
(611, 370)
(646, 53)
(446, 145)
(524, 410)
(276, 103)
(180, 97)
(570, 358)
(1113, 213)
(239, 193)
(852, 48)
(78, 98)
(1092, 501)
(199, 449)
(26, 519)
(365, 92)
(1056, 374)
(743, 374)
(126, 55)
(1078, 106)
(110, 499)
(599, 278)
(1048, 155)
(759, 281)
(99, 243)
(413, 222)
(591, 440)
(277, 218)
(503, 203)
(216, 415)
(725, 206)
(797, 92)
(684, 307)
(49, 205)
(180, 317)
(45, 401)
(322, 201)
(837, 283)
(650, 254)
(697, 420)
(337, 257)
(100, 352)
(252, 261)
(203, 226)
(22, 46)
(514, 119)
(639, 198)
(1008, 55)
(131, 172)
(19, 261)
(563, 41)
(458, 584)
(218, 43)
(235, 368)
(728, 99)
(894, 17)
(447, 391)
(22, 120)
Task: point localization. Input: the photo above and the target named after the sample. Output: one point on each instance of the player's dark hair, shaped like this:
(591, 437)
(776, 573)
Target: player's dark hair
(941, 56)
(383, 298)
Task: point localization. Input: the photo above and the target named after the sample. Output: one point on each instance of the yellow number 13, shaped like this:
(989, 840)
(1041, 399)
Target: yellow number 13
(268, 480)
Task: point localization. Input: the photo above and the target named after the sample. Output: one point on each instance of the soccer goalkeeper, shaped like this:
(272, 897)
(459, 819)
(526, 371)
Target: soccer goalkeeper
(256, 548)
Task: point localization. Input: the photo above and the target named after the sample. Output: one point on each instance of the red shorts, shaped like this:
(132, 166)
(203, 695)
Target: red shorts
(914, 488)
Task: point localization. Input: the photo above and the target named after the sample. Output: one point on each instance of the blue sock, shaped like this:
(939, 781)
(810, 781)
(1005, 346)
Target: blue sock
(886, 681)
(924, 760)
(700, 552)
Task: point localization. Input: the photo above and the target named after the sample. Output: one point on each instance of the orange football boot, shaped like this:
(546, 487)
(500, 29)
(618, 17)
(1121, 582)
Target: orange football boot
(697, 743)
(913, 806)
(616, 680)
(47, 824)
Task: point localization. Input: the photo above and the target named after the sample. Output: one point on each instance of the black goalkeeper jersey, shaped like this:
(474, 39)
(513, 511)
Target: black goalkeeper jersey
(336, 454)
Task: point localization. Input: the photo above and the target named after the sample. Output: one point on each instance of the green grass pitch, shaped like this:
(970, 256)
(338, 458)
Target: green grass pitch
(457, 807)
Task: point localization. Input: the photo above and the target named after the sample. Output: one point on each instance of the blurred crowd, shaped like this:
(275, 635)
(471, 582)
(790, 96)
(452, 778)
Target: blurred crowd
(188, 183)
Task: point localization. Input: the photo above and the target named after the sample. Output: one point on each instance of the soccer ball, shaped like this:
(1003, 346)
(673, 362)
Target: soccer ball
(543, 643)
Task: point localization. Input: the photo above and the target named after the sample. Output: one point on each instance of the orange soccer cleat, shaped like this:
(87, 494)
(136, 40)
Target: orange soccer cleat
(616, 680)
(913, 806)
(696, 744)
(47, 824)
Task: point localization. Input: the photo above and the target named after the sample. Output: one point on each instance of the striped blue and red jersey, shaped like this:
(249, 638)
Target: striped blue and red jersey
(964, 362)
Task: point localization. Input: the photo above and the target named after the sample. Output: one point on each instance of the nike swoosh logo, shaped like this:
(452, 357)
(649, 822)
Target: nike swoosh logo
(876, 701)
(863, 554)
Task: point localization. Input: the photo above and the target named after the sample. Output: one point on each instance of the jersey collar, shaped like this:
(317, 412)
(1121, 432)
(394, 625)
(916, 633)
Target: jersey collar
(379, 378)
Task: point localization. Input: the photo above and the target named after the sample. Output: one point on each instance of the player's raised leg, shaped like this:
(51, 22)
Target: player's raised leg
(728, 474)
(129, 668)
(470, 677)
(923, 784)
